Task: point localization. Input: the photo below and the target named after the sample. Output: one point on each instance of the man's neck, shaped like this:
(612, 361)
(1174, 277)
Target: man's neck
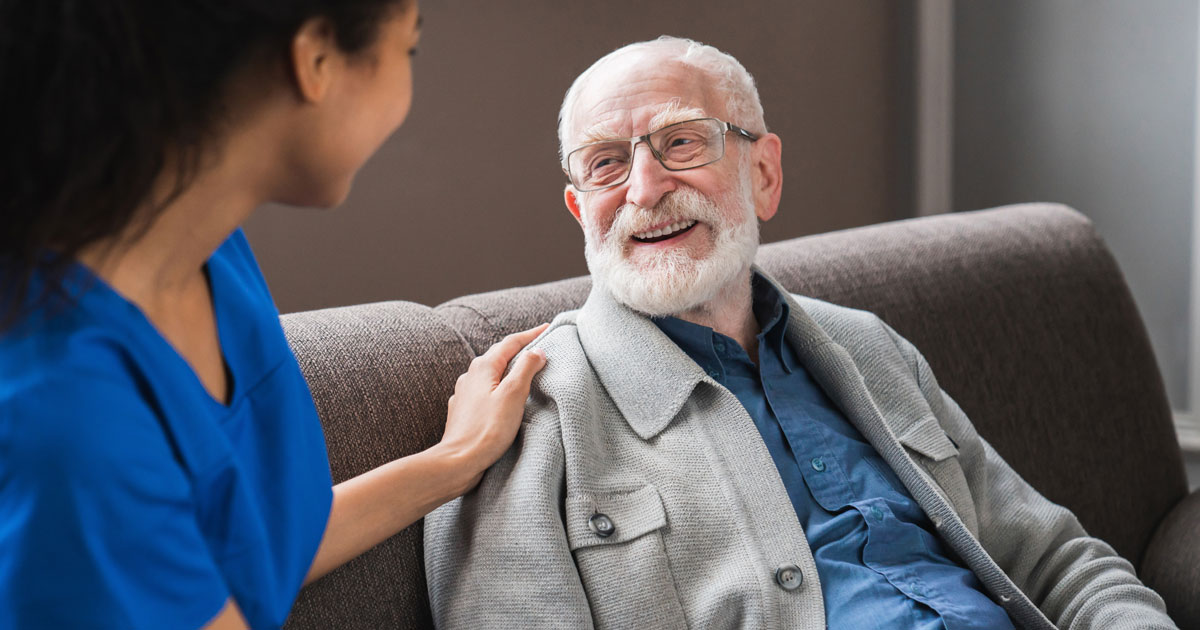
(730, 313)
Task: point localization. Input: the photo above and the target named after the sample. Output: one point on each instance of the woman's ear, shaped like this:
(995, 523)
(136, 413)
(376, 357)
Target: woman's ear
(315, 59)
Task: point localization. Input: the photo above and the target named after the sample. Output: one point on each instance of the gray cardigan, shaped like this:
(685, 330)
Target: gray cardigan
(622, 423)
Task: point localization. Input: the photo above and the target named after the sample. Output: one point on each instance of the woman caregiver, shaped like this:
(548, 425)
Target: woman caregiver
(161, 461)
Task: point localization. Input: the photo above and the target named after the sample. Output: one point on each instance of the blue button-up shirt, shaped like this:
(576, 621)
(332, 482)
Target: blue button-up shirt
(880, 563)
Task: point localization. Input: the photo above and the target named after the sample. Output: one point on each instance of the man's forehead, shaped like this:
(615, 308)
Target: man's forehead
(628, 123)
(631, 96)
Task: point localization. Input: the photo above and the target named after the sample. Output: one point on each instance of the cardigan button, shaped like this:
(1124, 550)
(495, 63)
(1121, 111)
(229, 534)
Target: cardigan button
(789, 577)
(601, 525)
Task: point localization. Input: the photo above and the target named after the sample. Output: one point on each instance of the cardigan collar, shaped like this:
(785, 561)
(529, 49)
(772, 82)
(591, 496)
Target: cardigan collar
(644, 372)
(649, 377)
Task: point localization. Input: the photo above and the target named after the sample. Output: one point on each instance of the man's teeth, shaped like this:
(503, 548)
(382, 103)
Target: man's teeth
(670, 229)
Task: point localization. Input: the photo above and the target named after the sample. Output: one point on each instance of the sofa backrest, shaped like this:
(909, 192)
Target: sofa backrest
(1021, 311)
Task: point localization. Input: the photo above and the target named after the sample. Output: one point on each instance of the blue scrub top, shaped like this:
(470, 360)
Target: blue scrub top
(129, 497)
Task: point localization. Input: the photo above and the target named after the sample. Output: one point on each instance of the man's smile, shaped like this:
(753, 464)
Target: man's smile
(665, 232)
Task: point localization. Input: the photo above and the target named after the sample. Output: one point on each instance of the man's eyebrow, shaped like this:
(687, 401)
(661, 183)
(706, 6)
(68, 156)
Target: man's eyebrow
(597, 132)
(670, 115)
(675, 114)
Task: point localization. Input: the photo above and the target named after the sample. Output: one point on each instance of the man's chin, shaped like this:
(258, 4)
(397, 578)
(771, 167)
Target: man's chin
(656, 292)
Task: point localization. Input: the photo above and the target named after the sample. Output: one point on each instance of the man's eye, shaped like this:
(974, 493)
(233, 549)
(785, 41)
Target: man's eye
(678, 142)
(605, 161)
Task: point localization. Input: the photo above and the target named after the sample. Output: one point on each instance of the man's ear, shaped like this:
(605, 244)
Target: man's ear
(767, 175)
(572, 203)
(315, 57)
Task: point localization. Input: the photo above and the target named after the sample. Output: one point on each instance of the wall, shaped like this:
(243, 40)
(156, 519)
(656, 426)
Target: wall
(1091, 103)
(467, 196)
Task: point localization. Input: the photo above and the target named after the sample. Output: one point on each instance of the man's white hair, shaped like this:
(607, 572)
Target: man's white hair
(729, 78)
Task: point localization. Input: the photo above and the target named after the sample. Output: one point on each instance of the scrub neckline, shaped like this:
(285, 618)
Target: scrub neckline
(104, 290)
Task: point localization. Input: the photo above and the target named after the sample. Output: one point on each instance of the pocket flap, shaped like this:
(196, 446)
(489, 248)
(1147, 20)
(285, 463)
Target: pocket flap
(928, 438)
(629, 515)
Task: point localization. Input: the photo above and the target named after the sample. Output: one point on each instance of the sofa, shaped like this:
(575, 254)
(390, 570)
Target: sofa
(1021, 311)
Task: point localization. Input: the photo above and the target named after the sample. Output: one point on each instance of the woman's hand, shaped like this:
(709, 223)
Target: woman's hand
(485, 410)
(485, 413)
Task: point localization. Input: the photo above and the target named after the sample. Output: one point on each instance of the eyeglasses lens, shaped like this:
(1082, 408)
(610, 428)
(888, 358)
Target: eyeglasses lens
(679, 147)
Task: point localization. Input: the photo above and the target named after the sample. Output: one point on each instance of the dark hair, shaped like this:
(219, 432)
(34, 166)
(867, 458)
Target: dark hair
(96, 92)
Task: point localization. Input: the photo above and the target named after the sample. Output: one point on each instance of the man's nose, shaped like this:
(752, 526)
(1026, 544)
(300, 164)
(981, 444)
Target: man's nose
(649, 180)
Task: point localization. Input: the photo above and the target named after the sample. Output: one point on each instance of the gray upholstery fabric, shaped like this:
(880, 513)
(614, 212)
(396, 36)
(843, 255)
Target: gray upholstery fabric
(381, 375)
(1077, 406)
(1172, 564)
(484, 318)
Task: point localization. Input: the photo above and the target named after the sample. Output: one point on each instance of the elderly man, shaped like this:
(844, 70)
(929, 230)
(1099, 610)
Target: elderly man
(704, 450)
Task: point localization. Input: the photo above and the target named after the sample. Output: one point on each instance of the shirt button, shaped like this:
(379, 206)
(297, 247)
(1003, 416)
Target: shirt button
(918, 590)
(601, 525)
(714, 374)
(789, 577)
(876, 513)
(818, 464)
(719, 345)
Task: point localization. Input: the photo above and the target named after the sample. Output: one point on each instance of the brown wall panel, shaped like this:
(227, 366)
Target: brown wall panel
(467, 196)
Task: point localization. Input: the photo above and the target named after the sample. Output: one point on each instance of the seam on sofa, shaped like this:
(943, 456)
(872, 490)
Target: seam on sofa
(458, 332)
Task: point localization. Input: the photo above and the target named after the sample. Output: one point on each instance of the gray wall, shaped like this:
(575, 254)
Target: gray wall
(467, 196)
(1192, 461)
(1091, 103)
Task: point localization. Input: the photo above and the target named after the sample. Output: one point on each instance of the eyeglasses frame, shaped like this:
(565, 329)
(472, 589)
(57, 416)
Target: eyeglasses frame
(728, 127)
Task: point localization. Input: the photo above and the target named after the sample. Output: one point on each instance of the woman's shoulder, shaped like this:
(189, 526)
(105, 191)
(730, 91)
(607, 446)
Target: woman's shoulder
(70, 404)
(63, 336)
(66, 365)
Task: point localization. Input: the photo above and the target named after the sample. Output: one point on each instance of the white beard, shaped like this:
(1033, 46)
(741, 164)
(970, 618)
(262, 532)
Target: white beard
(670, 282)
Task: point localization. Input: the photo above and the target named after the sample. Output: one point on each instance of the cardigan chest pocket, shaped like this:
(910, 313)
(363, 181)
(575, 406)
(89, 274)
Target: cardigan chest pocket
(928, 438)
(939, 458)
(616, 538)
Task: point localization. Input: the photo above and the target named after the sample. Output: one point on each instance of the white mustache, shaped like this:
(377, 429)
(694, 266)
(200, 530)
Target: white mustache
(685, 204)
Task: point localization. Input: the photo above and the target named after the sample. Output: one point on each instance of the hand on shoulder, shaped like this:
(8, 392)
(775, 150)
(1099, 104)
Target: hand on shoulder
(485, 411)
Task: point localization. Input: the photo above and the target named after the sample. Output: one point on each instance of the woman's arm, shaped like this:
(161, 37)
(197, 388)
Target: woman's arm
(230, 618)
(481, 423)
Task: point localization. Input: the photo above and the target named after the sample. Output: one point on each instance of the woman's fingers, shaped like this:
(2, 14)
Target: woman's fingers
(504, 350)
(484, 414)
(520, 378)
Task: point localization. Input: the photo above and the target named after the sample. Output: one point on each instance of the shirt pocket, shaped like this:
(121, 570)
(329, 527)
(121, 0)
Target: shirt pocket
(617, 541)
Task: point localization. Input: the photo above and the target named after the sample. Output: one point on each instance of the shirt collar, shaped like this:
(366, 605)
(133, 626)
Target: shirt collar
(705, 346)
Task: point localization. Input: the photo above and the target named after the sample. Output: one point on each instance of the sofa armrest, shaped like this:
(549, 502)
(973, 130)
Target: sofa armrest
(1172, 562)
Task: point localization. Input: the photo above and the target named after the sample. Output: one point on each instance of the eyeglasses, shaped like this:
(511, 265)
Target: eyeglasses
(678, 147)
